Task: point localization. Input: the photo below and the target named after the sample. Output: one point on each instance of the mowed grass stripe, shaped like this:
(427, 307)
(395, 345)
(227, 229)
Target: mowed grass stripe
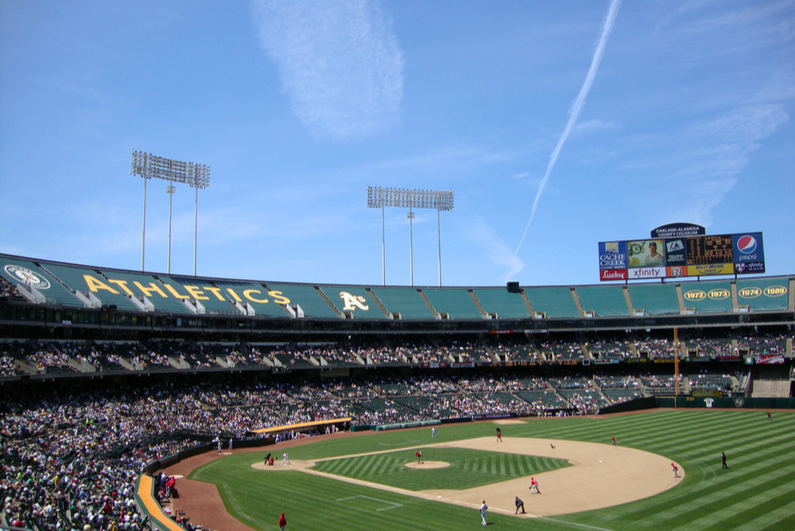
(467, 468)
(737, 491)
(778, 517)
(715, 489)
(739, 503)
(694, 435)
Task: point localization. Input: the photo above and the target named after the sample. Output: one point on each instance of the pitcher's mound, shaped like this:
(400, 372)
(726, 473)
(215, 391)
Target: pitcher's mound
(428, 464)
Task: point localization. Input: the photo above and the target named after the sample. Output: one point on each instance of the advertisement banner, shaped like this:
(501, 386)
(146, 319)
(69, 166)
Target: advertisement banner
(710, 269)
(646, 253)
(676, 271)
(646, 273)
(746, 268)
(770, 359)
(612, 255)
(748, 247)
(675, 252)
(613, 274)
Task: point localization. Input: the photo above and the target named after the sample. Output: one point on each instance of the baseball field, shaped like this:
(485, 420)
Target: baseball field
(373, 481)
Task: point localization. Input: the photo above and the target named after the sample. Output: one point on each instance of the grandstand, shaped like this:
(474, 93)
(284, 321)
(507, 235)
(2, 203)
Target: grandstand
(143, 352)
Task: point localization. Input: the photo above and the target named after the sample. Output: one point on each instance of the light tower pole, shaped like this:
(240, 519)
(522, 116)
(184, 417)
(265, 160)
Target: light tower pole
(378, 197)
(150, 166)
(170, 191)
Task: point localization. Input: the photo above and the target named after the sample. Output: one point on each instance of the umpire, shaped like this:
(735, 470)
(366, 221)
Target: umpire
(519, 504)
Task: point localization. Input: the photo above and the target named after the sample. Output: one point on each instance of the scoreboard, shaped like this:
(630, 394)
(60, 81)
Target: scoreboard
(682, 256)
(709, 250)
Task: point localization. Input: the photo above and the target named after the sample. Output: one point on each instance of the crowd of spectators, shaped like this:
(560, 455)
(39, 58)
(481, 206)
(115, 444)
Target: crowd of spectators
(6, 289)
(80, 356)
(71, 460)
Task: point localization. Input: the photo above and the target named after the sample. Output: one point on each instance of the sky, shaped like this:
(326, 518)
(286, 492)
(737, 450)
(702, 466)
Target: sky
(557, 125)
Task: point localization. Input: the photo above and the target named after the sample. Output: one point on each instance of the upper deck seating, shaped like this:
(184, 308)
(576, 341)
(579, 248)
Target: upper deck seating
(92, 281)
(554, 302)
(256, 296)
(604, 301)
(404, 301)
(763, 294)
(307, 297)
(708, 297)
(654, 299)
(214, 299)
(20, 271)
(355, 300)
(164, 297)
(455, 302)
(502, 303)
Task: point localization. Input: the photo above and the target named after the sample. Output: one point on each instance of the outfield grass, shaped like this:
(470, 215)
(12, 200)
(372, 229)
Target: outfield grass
(756, 493)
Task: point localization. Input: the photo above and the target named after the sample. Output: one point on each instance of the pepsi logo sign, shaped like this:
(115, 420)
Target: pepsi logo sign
(746, 244)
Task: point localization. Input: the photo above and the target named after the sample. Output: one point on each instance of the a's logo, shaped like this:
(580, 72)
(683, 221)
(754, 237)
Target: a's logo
(750, 292)
(352, 302)
(719, 294)
(746, 244)
(739, 402)
(775, 291)
(26, 276)
(695, 295)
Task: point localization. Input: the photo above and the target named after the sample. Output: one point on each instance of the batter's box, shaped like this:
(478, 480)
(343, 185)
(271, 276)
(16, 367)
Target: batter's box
(366, 503)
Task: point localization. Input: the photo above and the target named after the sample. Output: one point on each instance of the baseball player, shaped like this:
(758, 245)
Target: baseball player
(483, 509)
(534, 486)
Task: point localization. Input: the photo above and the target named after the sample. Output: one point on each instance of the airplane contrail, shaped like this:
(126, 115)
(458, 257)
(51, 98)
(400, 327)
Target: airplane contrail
(610, 19)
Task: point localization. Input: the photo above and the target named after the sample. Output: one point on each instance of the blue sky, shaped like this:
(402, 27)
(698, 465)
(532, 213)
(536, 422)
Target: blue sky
(611, 118)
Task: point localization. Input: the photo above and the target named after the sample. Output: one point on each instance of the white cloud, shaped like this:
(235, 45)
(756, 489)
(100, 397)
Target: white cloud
(496, 250)
(340, 63)
(595, 125)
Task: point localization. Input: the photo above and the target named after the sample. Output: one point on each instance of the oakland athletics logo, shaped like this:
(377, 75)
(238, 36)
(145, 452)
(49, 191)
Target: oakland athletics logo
(26, 276)
(352, 302)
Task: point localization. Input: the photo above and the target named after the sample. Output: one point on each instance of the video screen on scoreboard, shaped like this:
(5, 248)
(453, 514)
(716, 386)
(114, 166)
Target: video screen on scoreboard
(684, 256)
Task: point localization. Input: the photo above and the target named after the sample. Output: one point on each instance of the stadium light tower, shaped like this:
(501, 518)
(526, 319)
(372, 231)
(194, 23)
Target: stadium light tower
(378, 197)
(150, 166)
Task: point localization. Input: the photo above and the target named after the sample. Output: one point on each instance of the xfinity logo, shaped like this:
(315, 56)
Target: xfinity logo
(648, 272)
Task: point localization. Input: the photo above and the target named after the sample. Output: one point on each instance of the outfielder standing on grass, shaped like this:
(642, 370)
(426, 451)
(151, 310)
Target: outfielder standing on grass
(483, 509)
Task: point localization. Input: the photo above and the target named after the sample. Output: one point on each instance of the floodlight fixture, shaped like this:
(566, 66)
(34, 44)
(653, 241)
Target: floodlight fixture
(195, 175)
(440, 200)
